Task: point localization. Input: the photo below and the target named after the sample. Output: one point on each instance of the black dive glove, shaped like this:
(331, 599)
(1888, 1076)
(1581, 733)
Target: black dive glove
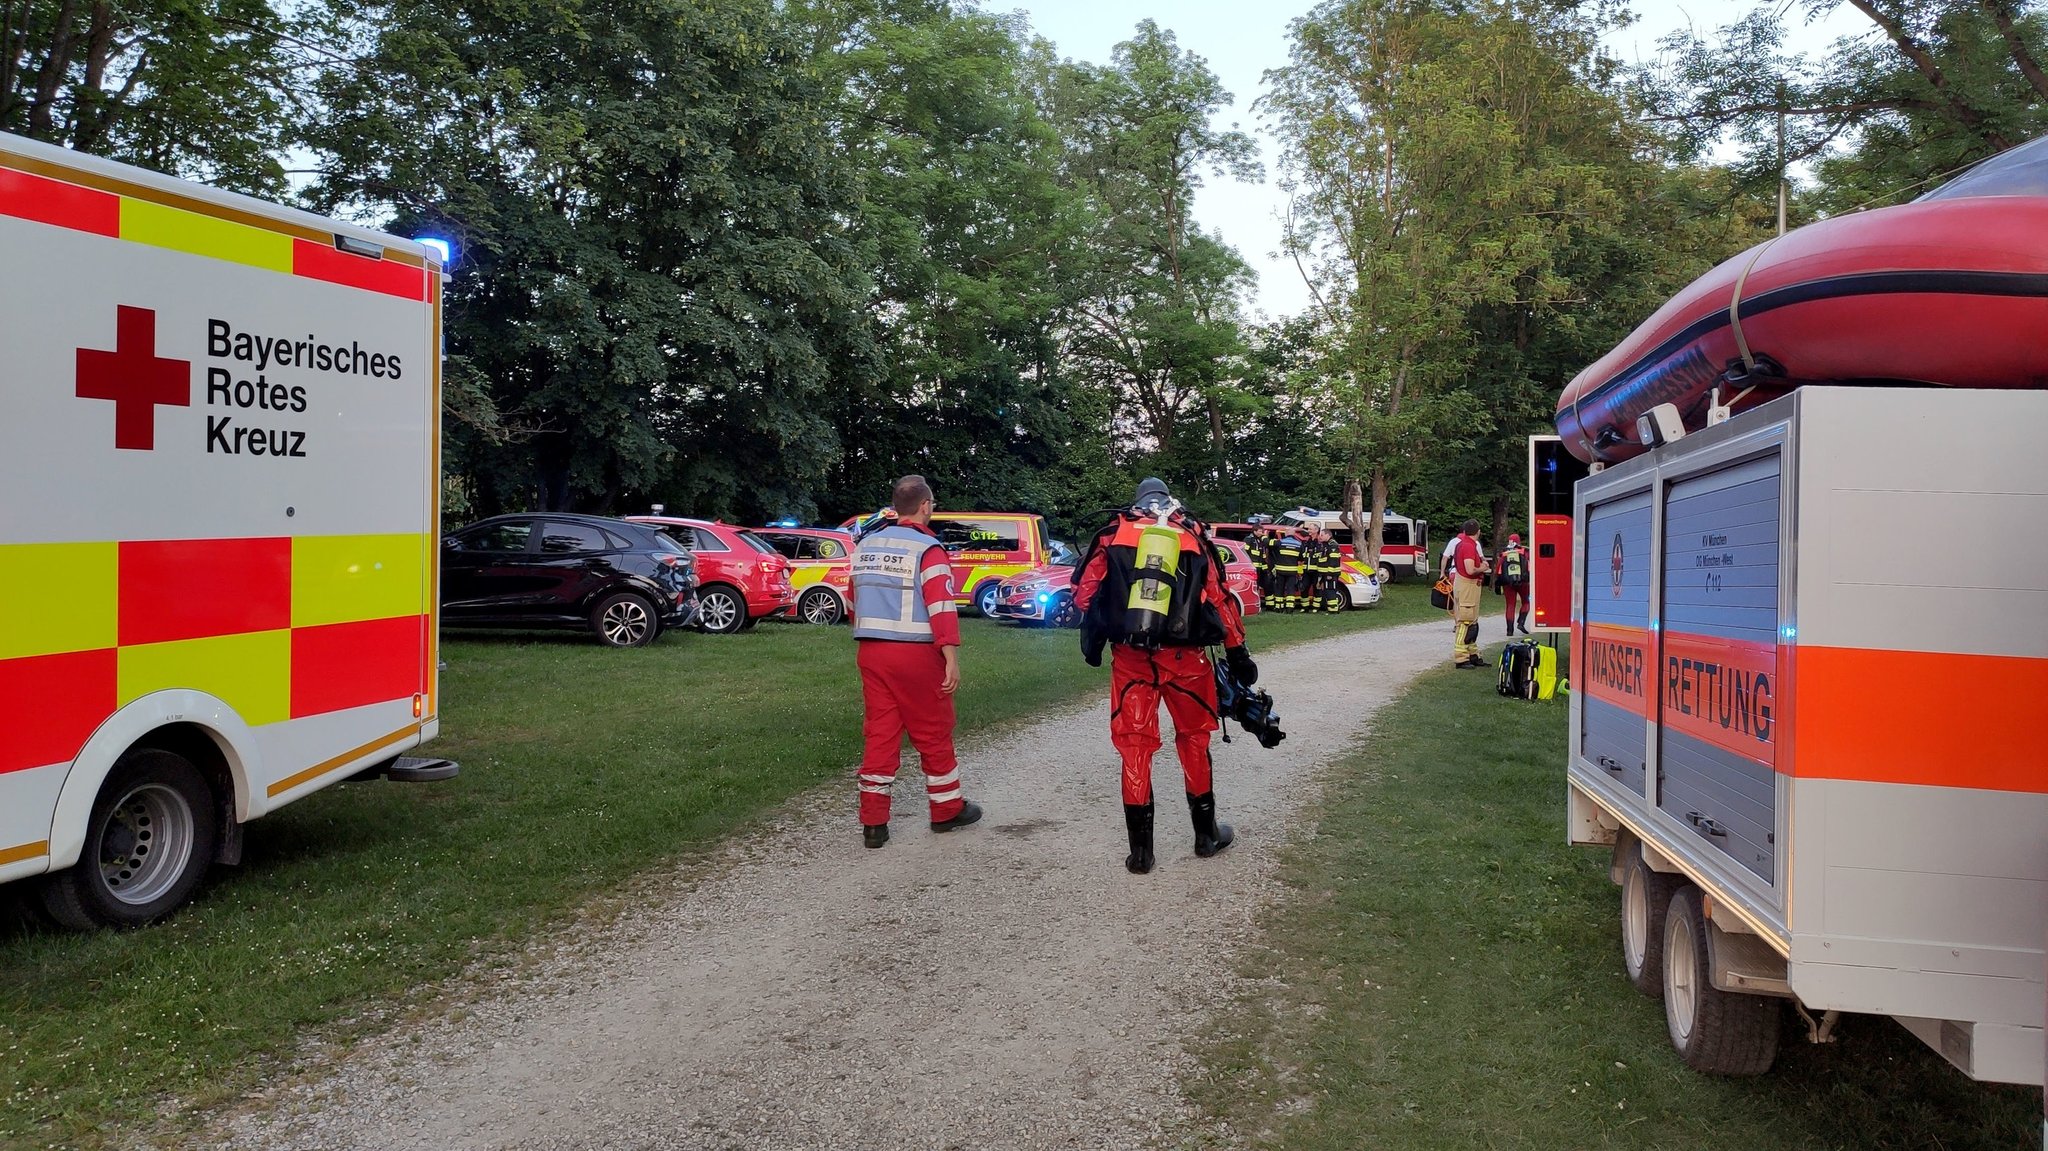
(1241, 666)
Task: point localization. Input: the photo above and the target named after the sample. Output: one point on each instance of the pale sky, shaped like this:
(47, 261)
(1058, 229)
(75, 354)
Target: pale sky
(1241, 41)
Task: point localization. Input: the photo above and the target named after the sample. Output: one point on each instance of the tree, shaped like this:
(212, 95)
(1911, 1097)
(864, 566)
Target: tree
(1157, 323)
(659, 280)
(966, 227)
(201, 89)
(1929, 87)
(1428, 183)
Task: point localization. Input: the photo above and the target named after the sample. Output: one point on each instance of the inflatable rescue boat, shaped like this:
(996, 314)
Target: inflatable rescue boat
(1951, 289)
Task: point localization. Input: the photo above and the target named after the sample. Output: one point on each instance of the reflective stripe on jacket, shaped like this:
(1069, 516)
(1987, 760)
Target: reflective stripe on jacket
(888, 585)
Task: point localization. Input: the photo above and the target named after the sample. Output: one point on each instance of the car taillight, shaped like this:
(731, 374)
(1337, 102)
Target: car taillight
(672, 559)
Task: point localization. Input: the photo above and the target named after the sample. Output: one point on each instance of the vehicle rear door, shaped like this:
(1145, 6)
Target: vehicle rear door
(484, 570)
(570, 564)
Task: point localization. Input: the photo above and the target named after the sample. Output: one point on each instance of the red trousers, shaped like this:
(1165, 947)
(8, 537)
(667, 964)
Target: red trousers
(900, 689)
(1515, 594)
(1139, 681)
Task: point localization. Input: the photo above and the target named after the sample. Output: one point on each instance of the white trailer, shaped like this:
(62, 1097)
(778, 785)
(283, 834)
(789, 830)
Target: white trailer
(1818, 761)
(219, 439)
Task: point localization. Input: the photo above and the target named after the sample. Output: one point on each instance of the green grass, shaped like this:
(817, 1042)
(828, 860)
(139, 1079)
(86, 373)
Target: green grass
(583, 768)
(1445, 973)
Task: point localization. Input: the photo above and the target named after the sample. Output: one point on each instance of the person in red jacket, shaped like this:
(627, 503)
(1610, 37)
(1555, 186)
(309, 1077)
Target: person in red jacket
(908, 635)
(1152, 589)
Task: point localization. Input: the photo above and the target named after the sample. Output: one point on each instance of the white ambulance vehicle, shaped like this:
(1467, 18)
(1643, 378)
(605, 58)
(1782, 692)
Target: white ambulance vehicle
(219, 439)
(1819, 765)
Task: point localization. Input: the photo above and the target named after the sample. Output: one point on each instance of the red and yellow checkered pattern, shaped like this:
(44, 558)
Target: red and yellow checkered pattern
(31, 190)
(278, 629)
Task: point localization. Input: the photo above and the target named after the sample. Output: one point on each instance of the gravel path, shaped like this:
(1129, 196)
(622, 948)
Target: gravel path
(1006, 986)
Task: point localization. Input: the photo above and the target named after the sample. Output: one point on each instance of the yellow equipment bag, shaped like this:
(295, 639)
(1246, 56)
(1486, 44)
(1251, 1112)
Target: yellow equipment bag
(1545, 672)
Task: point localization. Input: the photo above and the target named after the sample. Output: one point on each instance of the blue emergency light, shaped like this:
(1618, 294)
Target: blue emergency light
(440, 246)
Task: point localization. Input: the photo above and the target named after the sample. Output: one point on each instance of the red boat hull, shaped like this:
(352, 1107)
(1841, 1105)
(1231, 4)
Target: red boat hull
(1943, 291)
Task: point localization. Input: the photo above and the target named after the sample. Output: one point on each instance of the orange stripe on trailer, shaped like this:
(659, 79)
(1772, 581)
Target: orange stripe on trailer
(1723, 691)
(344, 665)
(63, 699)
(326, 262)
(1613, 665)
(197, 589)
(25, 851)
(1935, 719)
(64, 205)
(324, 766)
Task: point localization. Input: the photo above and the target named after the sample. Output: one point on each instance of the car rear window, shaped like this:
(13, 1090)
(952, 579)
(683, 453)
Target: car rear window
(759, 544)
(571, 539)
(668, 542)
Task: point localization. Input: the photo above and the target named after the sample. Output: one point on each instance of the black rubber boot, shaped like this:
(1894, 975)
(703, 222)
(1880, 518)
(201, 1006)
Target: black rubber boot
(1210, 836)
(970, 812)
(874, 834)
(1138, 821)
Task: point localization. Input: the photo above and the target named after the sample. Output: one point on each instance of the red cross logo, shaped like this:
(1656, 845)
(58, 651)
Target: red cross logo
(135, 378)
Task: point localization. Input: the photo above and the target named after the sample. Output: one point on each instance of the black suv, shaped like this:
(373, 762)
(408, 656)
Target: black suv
(624, 581)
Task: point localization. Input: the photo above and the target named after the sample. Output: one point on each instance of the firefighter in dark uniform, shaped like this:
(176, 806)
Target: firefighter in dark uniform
(1287, 571)
(1330, 572)
(1260, 549)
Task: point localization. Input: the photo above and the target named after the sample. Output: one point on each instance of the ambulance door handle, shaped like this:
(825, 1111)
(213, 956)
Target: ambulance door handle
(1610, 764)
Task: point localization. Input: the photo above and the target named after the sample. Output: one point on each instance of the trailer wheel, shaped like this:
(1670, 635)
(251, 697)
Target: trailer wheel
(152, 834)
(1715, 1031)
(624, 619)
(1645, 896)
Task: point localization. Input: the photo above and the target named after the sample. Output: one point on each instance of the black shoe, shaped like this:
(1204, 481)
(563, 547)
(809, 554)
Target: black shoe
(1138, 821)
(1463, 663)
(970, 812)
(874, 834)
(1210, 836)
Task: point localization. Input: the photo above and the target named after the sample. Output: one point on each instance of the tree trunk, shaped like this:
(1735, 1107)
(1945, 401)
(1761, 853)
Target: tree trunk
(1362, 546)
(2002, 16)
(1500, 522)
(1377, 526)
(1923, 61)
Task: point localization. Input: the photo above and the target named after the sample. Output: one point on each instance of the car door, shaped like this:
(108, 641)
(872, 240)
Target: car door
(569, 564)
(483, 569)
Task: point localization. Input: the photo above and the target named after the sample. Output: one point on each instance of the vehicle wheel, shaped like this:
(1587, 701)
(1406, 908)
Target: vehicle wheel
(820, 606)
(721, 610)
(985, 598)
(152, 834)
(1063, 613)
(624, 619)
(1645, 896)
(1715, 1031)
(1386, 571)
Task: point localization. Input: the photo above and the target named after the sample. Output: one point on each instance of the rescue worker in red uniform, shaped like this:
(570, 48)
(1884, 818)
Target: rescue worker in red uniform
(1151, 588)
(907, 631)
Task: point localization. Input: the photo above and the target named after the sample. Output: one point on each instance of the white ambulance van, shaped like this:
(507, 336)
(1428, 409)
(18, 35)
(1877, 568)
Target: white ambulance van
(1818, 764)
(219, 440)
